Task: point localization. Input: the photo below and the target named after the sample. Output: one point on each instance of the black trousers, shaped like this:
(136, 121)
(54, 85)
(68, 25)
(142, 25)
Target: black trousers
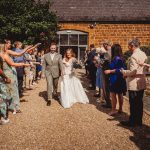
(92, 74)
(20, 84)
(136, 107)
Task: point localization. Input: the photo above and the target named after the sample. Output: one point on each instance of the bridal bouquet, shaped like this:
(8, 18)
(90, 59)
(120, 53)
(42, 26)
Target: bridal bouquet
(76, 65)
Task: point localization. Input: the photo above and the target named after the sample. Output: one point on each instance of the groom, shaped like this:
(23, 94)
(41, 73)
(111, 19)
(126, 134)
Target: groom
(52, 65)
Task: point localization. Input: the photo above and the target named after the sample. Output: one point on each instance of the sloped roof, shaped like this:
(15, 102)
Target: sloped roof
(102, 10)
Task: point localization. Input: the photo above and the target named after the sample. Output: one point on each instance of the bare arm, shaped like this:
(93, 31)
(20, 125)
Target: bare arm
(27, 49)
(34, 47)
(36, 63)
(10, 52)
(11, 63)
(110, 71)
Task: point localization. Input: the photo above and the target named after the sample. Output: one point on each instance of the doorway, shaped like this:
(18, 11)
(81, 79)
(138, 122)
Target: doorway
(76, 40)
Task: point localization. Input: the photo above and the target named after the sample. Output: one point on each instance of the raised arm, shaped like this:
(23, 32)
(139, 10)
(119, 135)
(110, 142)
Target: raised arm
(27, 49)
(15, 54)
(11, 63)
(34, 47)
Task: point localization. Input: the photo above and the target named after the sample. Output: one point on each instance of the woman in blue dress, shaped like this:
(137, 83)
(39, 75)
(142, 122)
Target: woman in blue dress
(117, 83)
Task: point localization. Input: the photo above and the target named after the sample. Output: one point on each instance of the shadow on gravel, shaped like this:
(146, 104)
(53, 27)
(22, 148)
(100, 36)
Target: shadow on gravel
(138, 132)
(138, 137)
(23, 101)
(43, 94)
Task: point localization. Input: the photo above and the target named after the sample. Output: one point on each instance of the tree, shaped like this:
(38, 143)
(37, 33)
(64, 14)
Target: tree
(27, 20)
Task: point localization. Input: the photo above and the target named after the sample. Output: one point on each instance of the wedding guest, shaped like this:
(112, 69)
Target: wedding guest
(39, 67)
(105, 60)
(31, 77)
(20, 70)
(98, 77)
(42, 57)
(92, 67)
(136, 83)
(117, 83)
(10, 71)
(86, 61)
(29, 60)
(34, 64)
(4, 96)
(21, 59)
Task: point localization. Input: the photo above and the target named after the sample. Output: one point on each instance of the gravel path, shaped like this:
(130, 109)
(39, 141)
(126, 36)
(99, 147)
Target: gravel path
(83, 127)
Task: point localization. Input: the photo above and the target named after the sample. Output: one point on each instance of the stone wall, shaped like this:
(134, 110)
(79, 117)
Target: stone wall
(117, 33)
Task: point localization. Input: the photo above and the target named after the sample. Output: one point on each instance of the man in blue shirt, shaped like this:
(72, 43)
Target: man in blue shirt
(20, 70)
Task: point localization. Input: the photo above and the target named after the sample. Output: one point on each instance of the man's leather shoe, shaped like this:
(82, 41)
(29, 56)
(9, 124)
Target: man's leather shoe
(56, 97)
(48, 103)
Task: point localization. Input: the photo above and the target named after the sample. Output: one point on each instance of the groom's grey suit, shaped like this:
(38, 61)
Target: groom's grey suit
(51, 69)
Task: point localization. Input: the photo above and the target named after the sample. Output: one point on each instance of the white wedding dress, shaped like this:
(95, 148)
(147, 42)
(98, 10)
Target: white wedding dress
(70, 87)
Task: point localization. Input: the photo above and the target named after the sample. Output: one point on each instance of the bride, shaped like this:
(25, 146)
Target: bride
(71, 88)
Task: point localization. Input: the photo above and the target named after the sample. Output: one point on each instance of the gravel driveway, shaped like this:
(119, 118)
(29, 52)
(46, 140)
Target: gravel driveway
(83, 127)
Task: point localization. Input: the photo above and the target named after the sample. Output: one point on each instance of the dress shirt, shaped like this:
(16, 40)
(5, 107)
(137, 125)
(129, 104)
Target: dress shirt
(52, 55)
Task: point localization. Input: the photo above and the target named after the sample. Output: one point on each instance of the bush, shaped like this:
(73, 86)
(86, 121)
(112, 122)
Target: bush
(126, 55)
(146, 49)
(27, 21)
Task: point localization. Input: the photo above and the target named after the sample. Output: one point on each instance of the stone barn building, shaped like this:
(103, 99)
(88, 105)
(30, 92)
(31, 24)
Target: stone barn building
(85, 22)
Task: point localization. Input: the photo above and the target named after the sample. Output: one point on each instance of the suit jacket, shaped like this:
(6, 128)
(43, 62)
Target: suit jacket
(52, 67)
(135, 74)
(91, 57)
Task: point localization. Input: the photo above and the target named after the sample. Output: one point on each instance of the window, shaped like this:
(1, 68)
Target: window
(63, 39)
(76, 40)
(83, 40)
(73, 39)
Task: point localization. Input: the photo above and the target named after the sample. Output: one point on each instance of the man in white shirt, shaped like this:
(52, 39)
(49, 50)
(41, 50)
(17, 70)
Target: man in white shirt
(52, 54)
(52, 65)
(136, 83)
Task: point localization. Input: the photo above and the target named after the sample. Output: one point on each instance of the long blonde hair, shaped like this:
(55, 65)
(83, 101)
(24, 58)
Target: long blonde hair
(71, 51)
(2, 48)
